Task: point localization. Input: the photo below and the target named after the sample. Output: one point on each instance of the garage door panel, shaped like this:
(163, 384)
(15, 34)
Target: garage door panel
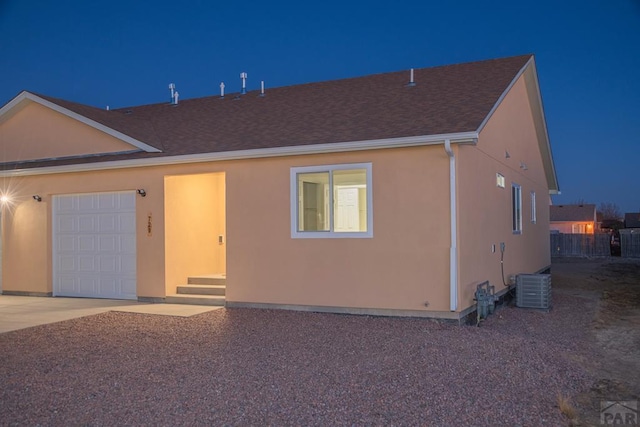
(87, 224)
(67, 284)
(67, 204)
(85, 202)
(95, 245)
(66, 264)
(66, 243)
(86, 264)
(128, 223)
(66, 224)
(108, 243)
(86, 243)
(108, 224)
(127, 245)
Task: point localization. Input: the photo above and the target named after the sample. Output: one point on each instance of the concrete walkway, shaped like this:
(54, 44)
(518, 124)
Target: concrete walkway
(18, 312)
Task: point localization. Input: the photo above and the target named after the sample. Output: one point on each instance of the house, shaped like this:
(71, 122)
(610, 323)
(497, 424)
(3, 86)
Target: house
(632, 220)
(389, 194)
(573, 219)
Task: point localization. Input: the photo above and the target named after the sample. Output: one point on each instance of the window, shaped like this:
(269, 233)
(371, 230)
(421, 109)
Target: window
(533, 207)
(500, 180)
(516, 208)
(331, 201)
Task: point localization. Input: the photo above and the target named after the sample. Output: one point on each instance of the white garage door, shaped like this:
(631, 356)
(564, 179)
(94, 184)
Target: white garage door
(94, 245)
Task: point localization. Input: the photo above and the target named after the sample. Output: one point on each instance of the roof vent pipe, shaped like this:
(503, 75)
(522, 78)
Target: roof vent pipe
(172, 88)
(107, 108)
(175, 97)
(262, 88)
(221, 89)
(243, 76)
(411, 80)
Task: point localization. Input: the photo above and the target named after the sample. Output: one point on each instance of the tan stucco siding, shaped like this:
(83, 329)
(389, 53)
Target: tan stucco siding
(485, 210)
(403, 266)
(27, 251)
(37, 132)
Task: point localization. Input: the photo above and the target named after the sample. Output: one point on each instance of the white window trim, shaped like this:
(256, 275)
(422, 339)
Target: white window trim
(293, 200)
(517, 230)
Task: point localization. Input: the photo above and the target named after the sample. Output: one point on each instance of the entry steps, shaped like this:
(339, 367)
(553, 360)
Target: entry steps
(201, 290)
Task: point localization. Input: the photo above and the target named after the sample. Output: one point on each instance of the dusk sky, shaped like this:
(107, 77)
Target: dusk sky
(124, 53)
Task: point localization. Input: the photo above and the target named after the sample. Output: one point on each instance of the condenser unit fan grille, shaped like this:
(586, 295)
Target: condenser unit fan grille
(533, 291)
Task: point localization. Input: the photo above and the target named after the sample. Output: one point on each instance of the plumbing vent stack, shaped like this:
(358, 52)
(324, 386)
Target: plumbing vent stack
(175, 97)
(243, 76)
(411, 80)
(262, 88)
(221, 89)
(172, 88)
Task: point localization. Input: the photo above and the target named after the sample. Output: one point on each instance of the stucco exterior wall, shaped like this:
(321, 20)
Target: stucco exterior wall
(404, 266)
(22, 140)
(485, 214)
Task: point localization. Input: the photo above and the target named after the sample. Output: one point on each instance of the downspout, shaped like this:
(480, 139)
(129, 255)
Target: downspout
(453, 251)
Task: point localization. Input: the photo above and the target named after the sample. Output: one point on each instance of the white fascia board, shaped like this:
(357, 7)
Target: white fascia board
(109, 131)
(338, 147)
(556, 190)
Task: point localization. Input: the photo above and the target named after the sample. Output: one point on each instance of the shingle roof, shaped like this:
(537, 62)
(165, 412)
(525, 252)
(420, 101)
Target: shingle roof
(446, 99)
(560, 213)
(632, 220)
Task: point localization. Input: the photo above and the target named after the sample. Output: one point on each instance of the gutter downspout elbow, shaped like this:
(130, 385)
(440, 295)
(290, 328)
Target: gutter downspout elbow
(453, 250)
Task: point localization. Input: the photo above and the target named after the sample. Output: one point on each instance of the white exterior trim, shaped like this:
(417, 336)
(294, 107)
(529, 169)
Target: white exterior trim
(337, 147)
(27, 96)
(330, 234)
(453, 249)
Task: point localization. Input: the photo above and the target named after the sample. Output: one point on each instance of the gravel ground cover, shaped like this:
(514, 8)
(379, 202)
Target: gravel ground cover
(269, 367)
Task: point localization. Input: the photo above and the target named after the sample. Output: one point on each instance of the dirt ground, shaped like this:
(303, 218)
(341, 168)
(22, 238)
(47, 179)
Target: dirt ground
(614, 286)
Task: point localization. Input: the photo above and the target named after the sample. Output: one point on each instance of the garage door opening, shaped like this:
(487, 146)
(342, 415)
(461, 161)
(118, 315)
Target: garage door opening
(94, 245)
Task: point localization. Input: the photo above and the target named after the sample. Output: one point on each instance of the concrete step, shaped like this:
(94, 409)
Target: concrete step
(212, 279)
(195, 299)
(202, 289)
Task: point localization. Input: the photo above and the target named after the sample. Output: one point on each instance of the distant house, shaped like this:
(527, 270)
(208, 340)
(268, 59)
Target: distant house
(386, 194)
(572, 219)
(632, 220)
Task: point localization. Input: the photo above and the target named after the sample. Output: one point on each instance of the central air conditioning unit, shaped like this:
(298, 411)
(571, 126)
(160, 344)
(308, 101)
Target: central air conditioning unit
(533, 291)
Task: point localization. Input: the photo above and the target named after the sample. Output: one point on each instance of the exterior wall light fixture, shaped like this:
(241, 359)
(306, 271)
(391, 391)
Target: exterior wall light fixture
(141, 192)
(37, 198)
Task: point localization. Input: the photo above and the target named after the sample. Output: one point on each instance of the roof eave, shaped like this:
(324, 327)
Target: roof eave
(336, 147)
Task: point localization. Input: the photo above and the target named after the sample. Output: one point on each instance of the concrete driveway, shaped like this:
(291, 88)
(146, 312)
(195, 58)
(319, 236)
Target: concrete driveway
(19, 312)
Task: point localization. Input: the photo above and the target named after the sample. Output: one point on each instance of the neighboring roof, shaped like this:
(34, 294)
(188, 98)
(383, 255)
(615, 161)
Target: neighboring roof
(632, 220)
(453, 100)
(567, 213)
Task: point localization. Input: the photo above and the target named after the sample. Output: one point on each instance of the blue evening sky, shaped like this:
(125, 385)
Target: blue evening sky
(122, 53)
